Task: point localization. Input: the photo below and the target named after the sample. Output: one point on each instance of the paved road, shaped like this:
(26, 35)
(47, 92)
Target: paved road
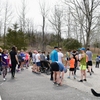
(31, 86)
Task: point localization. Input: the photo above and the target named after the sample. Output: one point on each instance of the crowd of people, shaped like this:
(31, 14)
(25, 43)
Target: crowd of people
(55, 61)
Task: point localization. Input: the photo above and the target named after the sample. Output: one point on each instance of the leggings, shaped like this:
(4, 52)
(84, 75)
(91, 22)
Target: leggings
(4, 71)
(13, 69)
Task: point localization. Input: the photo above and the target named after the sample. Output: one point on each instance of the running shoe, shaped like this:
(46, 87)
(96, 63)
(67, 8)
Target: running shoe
(80, 81)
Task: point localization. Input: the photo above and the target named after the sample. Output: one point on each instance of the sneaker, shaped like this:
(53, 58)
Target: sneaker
(74, 77)
(84, 80)
(54, 82)
(69, 77)
(58, 84)
(80, 80)
(4, 79)
(90, 74)
(92, 71)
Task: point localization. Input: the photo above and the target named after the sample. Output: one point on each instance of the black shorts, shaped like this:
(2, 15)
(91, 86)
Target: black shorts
(54, 66)
(89, 63)
(71, 69)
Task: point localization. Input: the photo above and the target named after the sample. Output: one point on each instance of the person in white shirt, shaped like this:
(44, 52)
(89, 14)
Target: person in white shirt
(38, 63)
(60, 56)
(34, 60)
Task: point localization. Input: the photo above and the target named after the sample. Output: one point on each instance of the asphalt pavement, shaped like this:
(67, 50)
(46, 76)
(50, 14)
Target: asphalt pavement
(31, 86)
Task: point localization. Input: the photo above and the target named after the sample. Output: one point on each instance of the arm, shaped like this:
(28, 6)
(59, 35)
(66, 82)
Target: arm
(16, 59)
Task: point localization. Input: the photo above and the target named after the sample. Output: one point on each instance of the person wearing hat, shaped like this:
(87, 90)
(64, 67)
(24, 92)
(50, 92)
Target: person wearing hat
(83, 61)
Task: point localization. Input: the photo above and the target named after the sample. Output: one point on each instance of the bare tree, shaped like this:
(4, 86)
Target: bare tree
(22, 15)
(7, 19)
(56, 21)
(87, 9)
(44, 13)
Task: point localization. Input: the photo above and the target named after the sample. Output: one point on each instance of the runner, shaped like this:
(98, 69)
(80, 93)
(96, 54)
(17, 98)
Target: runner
(71, 64)
(38, 63)
(83, 60)
(89, 63)
(53, 58)
(14, 61)
(4, 63)
(34, 60)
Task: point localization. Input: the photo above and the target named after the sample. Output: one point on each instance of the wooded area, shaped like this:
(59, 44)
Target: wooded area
(74, 23)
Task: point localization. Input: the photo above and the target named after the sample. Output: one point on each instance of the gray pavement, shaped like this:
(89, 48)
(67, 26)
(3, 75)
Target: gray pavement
(31, 86)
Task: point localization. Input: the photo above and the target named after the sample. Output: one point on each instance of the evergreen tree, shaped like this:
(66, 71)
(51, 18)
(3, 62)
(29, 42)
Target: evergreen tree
(15, 37)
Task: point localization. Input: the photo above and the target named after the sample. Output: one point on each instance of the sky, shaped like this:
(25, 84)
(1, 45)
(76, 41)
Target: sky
(33, 11)
(33, 8)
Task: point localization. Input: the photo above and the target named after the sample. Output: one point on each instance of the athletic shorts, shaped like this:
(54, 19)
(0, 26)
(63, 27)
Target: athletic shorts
(22, 60)
(83, 67)
(89, 63)
(54, 66)
(38, 64)
(71, 69)
(33, 62)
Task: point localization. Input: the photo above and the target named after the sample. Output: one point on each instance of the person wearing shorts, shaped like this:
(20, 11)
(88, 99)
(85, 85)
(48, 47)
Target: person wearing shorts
(61, 72)
(55, 69)
(53, 58)
(89, 63)
(83, 61)
(71, 64)
(38, 63)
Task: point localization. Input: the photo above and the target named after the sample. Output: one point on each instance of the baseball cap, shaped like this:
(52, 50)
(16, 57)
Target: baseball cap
(82, 48)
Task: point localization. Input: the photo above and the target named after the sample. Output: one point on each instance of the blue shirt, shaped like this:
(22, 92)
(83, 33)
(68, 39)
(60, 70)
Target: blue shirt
(54, 56)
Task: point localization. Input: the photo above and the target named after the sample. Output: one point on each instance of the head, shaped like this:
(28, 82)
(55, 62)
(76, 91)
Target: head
(88, 49)
(35, 52)
(74, 51)
(71, 56)
(14, 48)
(60, 49)
(39, 51)
(1, 50)
(56, 48)
(4, 51)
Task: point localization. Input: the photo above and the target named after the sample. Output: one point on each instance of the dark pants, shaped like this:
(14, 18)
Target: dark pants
(13, 69)
(51, 75)
(75, 68)
(97, 64)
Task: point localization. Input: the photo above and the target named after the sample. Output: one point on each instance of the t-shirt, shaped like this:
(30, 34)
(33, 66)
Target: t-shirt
(4, 59)
(37, 57)
(72, 62)
(34, 57)
(60, 55)
(54, 56)
(12, 56)
(89, 53)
